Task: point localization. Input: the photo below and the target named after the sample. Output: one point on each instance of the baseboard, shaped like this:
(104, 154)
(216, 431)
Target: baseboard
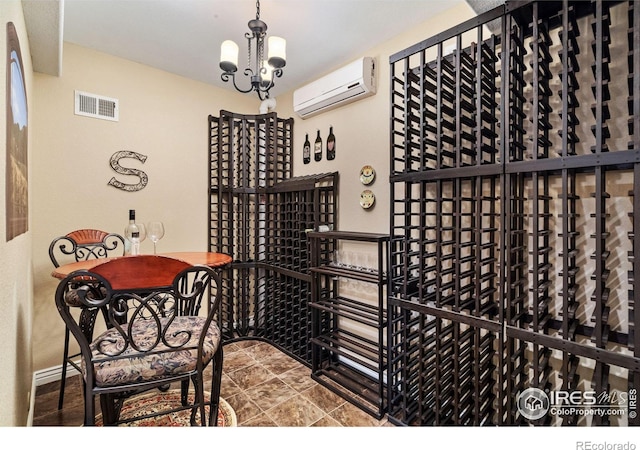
(51, 374)
(32, 401)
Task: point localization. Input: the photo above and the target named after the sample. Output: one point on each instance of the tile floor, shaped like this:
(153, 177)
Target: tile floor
(265, 387)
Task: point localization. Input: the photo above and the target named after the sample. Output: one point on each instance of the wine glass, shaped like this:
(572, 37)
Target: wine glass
(155, 231)
(134, 241)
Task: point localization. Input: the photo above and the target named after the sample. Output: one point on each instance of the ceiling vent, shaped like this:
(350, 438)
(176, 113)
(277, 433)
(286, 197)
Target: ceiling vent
(96, 106)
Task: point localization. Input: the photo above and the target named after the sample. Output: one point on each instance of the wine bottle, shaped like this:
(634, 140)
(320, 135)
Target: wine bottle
(317, 148)
(331, 145)
(306, 151)
(135, 243)
(129, 230)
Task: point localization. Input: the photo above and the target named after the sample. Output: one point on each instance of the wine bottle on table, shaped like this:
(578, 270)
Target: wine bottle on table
(306, 150)
(331, 145)
(317, 148)
(135, 243)
(129, 231)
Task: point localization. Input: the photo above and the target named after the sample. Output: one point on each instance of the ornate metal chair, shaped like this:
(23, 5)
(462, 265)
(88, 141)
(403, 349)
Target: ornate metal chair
(157, 332)
(85, 244)
(81, 245)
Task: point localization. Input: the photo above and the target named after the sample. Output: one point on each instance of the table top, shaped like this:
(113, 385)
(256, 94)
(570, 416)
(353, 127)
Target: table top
(195, 258)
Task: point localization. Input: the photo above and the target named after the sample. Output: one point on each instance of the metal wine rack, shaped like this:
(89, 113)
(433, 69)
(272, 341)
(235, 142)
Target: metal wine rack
(348, 348)
(258, 214)
(293, 208)
(515, 188)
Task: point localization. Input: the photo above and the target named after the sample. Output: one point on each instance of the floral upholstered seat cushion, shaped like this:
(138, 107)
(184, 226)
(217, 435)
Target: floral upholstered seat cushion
(134, 366)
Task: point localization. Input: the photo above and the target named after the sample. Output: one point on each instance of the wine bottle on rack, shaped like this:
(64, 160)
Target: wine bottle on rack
(306, 150)
(331, 145)
(317, 148)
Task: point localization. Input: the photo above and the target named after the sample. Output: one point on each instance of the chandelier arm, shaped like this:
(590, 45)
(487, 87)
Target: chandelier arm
(262, 88)
(231, 76)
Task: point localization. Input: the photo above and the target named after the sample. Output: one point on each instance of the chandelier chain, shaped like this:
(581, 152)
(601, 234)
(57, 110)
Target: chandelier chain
(258, 10)
(249, 54)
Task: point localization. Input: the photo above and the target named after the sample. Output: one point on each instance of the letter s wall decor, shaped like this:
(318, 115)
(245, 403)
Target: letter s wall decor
(115, 164)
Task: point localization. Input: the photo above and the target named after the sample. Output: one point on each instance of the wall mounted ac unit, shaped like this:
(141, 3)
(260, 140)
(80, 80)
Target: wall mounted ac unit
(345, 85)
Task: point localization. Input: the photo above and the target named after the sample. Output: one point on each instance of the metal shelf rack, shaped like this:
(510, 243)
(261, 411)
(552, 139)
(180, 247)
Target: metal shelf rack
(349, 354)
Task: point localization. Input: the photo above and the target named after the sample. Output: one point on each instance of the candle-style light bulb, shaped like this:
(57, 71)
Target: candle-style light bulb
(277, 55)
(229, 56)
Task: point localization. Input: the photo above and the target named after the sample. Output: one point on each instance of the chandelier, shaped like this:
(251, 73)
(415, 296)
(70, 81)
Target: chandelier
(261, 72)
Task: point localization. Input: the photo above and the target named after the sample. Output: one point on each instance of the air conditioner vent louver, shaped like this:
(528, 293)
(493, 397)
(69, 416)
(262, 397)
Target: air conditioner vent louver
(96, 106)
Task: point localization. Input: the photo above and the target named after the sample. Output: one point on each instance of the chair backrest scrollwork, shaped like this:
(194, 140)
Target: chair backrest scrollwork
(153, 305)
(85, 244)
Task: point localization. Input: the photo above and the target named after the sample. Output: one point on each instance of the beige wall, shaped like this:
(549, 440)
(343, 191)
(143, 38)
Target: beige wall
(164, 117)
(362, 131)
(16, 294)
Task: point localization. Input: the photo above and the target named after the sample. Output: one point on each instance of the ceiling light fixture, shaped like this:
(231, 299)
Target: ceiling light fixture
(262, 72)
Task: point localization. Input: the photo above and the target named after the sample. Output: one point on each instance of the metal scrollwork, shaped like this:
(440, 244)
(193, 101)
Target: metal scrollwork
(115, 164)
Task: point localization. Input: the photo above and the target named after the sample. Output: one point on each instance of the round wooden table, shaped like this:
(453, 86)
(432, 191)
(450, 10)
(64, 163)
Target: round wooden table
(196, 258)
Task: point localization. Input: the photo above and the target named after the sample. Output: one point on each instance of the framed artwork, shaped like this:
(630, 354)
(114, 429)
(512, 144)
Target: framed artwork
(17, 192)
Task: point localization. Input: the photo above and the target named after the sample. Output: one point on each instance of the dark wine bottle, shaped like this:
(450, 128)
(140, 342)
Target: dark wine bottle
(306, 150)
(317, 148)
(331, 145)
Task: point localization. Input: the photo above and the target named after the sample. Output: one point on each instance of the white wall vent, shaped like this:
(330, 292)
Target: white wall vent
(96, 106)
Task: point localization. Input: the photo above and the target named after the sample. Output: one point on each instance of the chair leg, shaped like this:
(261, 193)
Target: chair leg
(65, 357)
(111, 407)
(89, 407)
(216, 382)
(184, 392)
(198, 401)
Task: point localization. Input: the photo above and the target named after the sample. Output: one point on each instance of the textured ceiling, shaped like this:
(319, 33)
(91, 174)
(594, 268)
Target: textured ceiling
(44, 22)
(480, 6)
(184, 36)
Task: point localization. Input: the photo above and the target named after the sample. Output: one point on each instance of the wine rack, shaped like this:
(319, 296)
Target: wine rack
(348, 347)
(246, 153)
(515, 172)
(258, 214)
(292, 208)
